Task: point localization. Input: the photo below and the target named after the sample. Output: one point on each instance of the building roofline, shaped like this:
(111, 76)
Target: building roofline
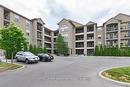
(37, 19)
(71, 21)
(14, 12)
(48, 29)
(116, 16)
(20, 14)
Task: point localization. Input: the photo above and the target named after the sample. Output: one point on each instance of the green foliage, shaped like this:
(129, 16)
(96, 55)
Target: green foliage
(61, 46)
(8, 54)
(31, 48)
(118, 73)
(11, 40)
(112, 51)
(25, 47)
(96, 52)
(34, 49)
(44, 50)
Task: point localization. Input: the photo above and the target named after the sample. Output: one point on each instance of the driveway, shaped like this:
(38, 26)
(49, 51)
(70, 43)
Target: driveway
(63, 72)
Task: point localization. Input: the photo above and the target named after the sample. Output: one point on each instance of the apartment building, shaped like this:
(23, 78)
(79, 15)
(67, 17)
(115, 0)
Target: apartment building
(117, 30)
(49, 39)
(34, 30)
(81, 39)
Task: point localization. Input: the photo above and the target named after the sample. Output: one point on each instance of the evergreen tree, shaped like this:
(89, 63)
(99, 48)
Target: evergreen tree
(101, 50)
(96, 52)
(128, 51)
(25, 47)
(105, 51)
(31, 48)
(35, 49)
(44, 50)
(61, 46)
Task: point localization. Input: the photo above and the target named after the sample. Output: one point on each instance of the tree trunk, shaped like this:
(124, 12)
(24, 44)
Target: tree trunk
(12, 58)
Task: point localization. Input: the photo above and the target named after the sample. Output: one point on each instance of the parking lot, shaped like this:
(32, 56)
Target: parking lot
(77, 71)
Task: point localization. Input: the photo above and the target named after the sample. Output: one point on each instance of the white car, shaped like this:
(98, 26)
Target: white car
(26, 57)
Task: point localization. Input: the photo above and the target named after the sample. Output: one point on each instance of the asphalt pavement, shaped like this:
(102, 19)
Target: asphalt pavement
(77, 71)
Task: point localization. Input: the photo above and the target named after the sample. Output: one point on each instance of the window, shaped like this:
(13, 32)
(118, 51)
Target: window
(39, 35)
(99, 29)
(99, 36)
(99, 42)
(27, 27)
(128, 25)
(39, 26)
(16, 17)
(27, 22)
(27, 34)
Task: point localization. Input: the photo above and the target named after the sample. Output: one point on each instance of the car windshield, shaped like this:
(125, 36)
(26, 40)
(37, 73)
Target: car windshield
(28, 54)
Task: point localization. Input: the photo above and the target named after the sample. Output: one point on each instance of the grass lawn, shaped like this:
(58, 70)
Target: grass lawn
(8, 66)
(120, 74)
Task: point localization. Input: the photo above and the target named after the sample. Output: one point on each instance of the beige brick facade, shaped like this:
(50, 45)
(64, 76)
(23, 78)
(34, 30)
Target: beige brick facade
(81, 39)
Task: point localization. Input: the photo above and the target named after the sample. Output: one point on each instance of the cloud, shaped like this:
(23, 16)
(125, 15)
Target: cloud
(56, 9)
(52, 11)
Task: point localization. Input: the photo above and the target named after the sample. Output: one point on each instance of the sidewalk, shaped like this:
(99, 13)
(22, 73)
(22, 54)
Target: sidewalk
(2, 58)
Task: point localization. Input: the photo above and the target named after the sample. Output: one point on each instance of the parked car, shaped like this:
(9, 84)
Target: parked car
(45, 57)
(26, 57)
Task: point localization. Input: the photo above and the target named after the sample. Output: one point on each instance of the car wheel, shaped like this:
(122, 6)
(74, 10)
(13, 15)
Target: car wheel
(27, 61)
(36, 62)
(17, 59)
(43, 59)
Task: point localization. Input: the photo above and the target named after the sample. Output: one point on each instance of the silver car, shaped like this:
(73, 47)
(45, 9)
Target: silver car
(26, 57)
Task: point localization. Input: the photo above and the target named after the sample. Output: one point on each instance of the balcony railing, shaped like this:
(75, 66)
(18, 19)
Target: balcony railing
(79, 38)
(90, 38)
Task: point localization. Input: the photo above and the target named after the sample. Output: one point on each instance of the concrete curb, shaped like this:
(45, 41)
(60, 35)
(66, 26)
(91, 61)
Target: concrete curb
(111, 80)
(23, 66)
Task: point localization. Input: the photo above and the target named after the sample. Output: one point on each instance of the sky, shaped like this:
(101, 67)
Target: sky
(82, 11)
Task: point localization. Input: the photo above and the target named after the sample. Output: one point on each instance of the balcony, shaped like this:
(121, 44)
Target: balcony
(112, 36)
(47, 32)
(79, 45)
(79, 51)
(112, 43)
(56, 33)
(79, 37)
(47, 45)
(90, 44)
(39, 35)
(6, 23)
(47, 39)
(125, 37)
(39, 27)
(124, 28)
(79, 30)
(6, 15)
(90, 29)
(90, 37)
(39, 43)
(90, 52)
(112, 27)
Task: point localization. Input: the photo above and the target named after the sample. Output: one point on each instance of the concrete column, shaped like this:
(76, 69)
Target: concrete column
(43, 38)
(12, 19)
(52, 43)
(95, 40)
(74, 50)
(1, 17)
(119, 34)
(85, 39)
(105, 34)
